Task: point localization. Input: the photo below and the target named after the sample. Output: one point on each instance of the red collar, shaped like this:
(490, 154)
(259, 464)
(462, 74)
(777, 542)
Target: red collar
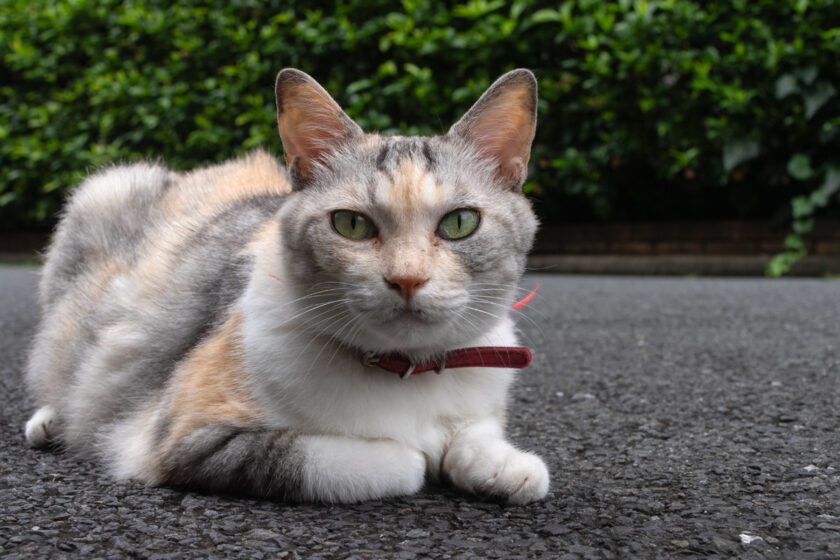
(514, 357)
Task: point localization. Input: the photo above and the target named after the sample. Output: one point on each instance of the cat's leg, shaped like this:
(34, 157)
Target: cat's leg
(479, 460)
(287, 465)
(343, 469)
(42, 427)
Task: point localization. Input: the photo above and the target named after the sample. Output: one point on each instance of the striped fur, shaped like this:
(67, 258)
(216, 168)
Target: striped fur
(204, 329)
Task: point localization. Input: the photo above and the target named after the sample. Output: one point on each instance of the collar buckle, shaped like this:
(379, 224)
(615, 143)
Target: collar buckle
(441, 365)
(409, 371)
(370, 359)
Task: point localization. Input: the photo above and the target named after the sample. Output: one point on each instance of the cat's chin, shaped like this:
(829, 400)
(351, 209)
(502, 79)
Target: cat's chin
(410, 319)
(415, 336)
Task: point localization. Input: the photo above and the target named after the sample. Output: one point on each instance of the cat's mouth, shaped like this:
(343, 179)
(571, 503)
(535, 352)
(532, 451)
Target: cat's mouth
(407, 326)
(417, 316)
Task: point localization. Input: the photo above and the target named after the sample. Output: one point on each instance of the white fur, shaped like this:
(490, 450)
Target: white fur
(41, 428)
(120, 344)
(481, 461)
(98, 195)
(129, 447)
(341, 469)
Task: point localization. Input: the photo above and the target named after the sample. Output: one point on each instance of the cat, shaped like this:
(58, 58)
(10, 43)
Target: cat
(210, 329)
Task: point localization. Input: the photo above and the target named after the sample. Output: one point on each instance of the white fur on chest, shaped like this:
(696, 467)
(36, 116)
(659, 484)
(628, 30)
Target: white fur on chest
(307, 382)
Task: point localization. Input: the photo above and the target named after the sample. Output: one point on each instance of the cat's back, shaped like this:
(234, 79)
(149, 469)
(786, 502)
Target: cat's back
(146, 258)
(126, 214)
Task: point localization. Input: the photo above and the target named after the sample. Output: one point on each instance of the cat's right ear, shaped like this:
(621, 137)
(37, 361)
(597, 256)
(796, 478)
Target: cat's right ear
(311, 123)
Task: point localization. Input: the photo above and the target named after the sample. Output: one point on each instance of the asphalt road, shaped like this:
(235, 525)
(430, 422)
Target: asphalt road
(679, 418)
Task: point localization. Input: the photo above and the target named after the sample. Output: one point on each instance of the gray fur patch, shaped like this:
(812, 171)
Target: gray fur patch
(394, 151)
(222, 458)
(431, 160)
(93, 230)
(210, 278)
(380, 159)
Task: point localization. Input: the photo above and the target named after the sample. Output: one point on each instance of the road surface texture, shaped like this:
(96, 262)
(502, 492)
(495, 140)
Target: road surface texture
(679, 418)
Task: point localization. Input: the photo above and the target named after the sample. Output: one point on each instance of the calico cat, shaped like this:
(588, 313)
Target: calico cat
(209, 329)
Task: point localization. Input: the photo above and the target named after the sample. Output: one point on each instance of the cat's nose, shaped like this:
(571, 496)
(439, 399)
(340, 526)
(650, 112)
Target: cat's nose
(405, 285)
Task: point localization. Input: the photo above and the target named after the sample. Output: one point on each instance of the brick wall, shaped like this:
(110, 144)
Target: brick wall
(681, 238)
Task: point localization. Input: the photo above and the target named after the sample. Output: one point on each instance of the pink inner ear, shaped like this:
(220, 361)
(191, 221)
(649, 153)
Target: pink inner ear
(505, 129)
(310, 123)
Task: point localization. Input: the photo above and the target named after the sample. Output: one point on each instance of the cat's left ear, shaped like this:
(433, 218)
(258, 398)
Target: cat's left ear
(502, 123)
(312, 125)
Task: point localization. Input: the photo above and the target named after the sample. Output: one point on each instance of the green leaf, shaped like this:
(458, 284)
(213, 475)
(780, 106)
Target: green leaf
(646, 104)
(358, 86)
(803, 227)
(737, 152)
(807, 74)
(477, 8)
(545, 15)
(799, 167)
(781, 264)
(830, 185)
(817, 97)
(387, 68)
(786, 85)
(801, 207)
(794, 243)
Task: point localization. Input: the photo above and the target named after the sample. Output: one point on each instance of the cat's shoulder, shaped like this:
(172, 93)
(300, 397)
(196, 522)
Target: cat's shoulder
(255, 173)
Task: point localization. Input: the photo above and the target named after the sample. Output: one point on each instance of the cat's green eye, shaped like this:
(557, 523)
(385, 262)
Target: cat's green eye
(353, 225)
(458, 224)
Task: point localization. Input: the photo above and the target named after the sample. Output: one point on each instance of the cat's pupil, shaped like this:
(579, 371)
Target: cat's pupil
(459, 220)
(353, 222)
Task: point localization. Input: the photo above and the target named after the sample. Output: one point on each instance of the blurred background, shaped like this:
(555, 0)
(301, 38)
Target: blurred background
(669, 131)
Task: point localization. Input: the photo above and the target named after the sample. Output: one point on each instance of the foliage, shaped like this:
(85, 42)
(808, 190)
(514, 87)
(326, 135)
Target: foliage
(650, 109)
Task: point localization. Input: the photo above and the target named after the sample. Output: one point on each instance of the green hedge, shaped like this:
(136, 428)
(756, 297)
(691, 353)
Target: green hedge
(649, 110)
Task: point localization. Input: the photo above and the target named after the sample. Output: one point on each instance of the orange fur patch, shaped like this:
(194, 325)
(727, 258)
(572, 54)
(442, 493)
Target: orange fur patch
(201, 194)
(194, 200)
(263, 236)
(412, 191)
(409, 183)
(209, 386)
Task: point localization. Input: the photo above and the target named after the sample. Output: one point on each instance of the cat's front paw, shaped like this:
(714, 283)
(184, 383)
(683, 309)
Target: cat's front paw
(497, 468)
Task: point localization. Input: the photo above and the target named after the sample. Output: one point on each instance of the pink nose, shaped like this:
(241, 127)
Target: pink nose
(405, 285)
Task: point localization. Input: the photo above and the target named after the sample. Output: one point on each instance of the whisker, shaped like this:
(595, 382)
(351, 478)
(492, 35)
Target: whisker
(332, 338)
(309, 296)
(518, 313)
(310, 309)
(312, 328)
(351, 337)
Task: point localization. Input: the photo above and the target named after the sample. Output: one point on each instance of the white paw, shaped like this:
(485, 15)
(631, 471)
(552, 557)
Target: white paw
(496, 468)
(41, 428)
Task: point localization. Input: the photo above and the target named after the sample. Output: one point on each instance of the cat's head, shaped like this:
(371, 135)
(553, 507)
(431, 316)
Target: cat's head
(410, 244)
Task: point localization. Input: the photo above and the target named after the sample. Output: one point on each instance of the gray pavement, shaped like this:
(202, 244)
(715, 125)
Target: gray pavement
(679, 418)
